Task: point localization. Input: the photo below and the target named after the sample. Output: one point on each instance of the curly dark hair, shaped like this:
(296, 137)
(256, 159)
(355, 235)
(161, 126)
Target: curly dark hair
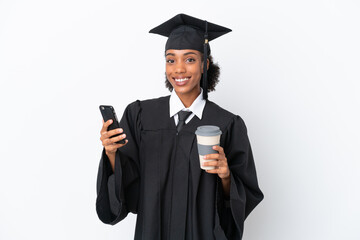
(213, 74)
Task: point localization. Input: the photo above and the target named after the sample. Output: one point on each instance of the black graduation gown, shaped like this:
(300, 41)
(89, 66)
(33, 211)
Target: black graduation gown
(158, 176)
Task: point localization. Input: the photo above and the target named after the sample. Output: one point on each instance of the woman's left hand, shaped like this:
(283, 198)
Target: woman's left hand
(220, 163)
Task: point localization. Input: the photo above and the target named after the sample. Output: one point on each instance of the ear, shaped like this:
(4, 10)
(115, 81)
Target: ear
(207, 66)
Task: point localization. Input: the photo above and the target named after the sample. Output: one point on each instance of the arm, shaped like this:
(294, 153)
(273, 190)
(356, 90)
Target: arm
(226, 186)
(221, 168)
(240, 192)
(109, 142)
(118, 181)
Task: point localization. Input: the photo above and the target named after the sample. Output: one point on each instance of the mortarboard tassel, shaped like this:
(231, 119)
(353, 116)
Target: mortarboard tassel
(205, 92)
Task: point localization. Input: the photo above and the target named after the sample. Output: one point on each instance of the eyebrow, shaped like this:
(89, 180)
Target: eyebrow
(185, 54)
(188, 53)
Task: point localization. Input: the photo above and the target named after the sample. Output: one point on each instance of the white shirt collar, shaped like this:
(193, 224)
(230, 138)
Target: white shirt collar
(197, 107)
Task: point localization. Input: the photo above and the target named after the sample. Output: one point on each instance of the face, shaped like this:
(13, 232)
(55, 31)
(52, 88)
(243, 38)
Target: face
(183, 70)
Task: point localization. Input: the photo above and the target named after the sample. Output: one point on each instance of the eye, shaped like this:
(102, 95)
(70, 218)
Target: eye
(190, 60)
(170, 61)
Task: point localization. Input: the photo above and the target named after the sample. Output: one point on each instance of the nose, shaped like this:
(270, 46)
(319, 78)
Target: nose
(180, 67)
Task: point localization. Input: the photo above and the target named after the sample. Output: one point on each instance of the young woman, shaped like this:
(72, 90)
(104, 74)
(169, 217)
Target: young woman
(156, 173)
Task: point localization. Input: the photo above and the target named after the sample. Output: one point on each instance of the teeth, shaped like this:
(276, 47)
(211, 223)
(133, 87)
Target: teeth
(181, 79)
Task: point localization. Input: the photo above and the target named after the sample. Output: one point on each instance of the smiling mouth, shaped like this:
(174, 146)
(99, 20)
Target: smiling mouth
(181, 79)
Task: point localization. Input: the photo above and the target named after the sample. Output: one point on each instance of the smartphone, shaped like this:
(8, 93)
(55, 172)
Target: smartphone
(108, 113)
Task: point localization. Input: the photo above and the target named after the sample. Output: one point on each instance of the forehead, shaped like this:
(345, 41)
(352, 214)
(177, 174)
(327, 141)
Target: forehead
(180, 52)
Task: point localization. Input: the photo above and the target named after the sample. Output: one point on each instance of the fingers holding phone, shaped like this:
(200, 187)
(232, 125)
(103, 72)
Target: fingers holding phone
(112, 139)
(112, 135)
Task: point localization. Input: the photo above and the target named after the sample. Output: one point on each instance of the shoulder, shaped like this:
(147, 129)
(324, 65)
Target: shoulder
(149, 104)
(214, 108)
(151, 113)
(226, 118)
(155, 102)
(225, 115)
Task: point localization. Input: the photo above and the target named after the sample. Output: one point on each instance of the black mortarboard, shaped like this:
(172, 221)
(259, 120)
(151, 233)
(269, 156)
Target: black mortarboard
(186, 32)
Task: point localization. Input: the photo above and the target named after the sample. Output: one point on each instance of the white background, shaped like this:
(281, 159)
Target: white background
(289, 68)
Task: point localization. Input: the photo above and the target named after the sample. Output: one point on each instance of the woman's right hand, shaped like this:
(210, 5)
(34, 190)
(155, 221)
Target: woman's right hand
(109, 143)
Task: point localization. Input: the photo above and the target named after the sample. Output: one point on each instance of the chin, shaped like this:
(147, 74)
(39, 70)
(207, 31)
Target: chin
(184, 90)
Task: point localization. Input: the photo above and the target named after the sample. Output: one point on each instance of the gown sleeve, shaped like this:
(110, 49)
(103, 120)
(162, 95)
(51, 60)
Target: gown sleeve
(118, 191)
(245, 193)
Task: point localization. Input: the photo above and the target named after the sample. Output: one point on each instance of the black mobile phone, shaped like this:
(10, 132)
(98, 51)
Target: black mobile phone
(108, 113)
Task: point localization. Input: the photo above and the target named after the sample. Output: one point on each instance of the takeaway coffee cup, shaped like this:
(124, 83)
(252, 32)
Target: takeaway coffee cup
(207, 136)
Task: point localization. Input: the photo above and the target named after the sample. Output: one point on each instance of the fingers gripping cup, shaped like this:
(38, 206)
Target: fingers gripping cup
(207, 136)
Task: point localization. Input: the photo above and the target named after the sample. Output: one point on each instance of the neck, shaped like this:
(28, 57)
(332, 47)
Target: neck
(189, 98)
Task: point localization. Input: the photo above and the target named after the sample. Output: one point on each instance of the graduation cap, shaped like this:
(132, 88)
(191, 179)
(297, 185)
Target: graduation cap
(186, 32)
